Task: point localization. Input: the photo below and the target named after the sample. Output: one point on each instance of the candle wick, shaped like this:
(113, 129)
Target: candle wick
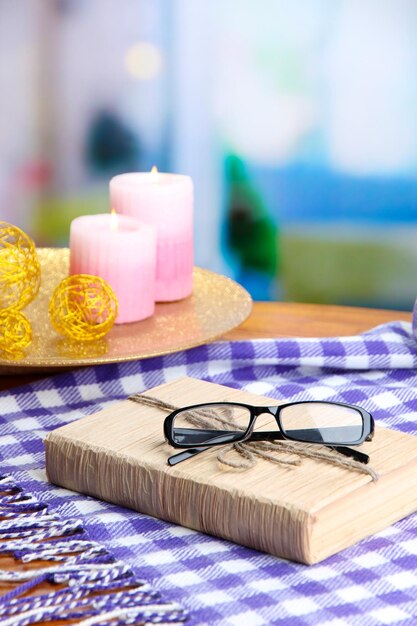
(113, 220)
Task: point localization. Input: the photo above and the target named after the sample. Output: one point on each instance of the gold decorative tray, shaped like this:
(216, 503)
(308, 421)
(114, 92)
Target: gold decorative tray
(216, 305)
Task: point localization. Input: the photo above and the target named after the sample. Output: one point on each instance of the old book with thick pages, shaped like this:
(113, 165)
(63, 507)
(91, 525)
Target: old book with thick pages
(304, 513)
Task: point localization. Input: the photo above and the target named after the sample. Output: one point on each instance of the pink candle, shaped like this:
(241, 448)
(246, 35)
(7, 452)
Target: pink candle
(165, 200)
(121, 250)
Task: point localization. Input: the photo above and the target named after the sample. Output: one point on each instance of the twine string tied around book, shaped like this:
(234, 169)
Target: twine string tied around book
(286, 453)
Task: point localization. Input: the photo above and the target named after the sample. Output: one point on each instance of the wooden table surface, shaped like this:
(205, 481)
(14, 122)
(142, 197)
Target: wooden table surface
(287, 319)
(284, 319)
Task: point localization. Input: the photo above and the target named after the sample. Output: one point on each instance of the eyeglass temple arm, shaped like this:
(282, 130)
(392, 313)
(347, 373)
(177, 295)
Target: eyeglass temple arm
(187, 454)
(268, 436)
(182, 456)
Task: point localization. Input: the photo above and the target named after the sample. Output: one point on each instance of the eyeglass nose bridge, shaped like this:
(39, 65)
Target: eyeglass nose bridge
(259, 410)
(256, 411)
(262, 410)
(265, 410)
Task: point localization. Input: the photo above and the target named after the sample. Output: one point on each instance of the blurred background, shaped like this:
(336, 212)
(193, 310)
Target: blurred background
(297, 120)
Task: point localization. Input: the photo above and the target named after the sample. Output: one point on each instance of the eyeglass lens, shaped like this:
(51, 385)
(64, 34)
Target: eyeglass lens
(322, 422)
(219, 423)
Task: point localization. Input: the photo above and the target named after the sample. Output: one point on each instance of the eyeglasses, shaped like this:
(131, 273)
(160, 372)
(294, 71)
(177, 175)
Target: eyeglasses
(335, 425)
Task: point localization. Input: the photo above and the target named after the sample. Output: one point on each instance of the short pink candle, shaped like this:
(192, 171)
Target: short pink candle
(122, 251)
(165, 200)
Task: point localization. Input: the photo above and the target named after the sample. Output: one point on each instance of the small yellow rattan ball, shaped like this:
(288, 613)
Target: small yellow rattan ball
(20, 272)
(15, 332)
(83, 307)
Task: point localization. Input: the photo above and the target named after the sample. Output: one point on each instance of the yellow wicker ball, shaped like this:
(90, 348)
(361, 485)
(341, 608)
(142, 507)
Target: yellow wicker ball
(83, 307)
(15, 332)
(20, 271)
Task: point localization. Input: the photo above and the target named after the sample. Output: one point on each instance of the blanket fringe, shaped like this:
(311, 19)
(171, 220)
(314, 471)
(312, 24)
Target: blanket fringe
(93, 588)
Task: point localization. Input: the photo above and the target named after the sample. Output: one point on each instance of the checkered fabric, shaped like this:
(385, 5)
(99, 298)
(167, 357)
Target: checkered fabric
(374, 582)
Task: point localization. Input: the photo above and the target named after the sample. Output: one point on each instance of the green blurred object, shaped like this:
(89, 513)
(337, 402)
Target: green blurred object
(251, 234)
(367, 266)
(54, 215)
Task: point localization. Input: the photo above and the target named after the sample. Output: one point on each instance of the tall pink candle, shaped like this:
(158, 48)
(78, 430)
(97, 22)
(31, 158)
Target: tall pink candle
(122, 251)
(165, 200)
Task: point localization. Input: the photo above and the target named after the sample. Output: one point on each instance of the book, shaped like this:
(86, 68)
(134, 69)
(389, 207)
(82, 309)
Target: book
(303, 513)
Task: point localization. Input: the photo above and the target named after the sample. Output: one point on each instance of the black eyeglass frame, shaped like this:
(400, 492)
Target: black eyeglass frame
(190, 449)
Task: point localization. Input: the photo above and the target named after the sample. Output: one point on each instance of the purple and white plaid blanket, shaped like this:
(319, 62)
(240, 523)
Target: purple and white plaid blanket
(218, 582)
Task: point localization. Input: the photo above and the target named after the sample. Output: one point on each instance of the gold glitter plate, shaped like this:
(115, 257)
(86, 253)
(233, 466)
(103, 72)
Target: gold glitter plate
(216, 305)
